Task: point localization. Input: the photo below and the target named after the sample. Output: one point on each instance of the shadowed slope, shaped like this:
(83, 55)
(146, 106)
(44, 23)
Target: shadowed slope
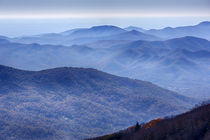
(193, 125)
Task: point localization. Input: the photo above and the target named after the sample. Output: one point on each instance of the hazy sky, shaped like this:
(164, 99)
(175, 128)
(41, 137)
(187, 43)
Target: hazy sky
(19, 17)
(104, 7)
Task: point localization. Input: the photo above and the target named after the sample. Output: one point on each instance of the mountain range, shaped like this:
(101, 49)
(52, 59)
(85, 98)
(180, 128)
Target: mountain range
(80, 36)
(82, 82)
(200, 30)
(86, 35)
(74, 103)
(180, 64)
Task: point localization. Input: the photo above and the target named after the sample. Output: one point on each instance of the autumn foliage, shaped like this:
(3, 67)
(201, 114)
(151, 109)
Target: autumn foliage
(151, 123)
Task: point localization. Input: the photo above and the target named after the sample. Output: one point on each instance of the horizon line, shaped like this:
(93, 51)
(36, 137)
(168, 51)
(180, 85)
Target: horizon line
(99, 15)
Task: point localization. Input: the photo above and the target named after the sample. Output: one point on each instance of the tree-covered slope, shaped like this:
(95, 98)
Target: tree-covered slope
(192, 125)
(74, 103)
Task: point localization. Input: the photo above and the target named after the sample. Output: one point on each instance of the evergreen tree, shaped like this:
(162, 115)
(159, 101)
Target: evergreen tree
(137, 126)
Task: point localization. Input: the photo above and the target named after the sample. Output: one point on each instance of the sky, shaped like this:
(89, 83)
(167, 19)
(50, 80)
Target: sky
(26, 17)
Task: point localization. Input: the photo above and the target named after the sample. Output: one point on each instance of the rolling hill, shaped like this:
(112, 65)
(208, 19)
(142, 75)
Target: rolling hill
(74, 103)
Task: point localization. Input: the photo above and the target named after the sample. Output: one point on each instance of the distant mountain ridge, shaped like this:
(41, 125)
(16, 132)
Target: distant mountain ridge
(133, 35)
(130, 28)
(85, 35)
(97, 31)
(80, 36)
(200, 30)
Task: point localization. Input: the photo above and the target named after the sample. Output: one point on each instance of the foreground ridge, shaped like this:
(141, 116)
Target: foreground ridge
(192, 125)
